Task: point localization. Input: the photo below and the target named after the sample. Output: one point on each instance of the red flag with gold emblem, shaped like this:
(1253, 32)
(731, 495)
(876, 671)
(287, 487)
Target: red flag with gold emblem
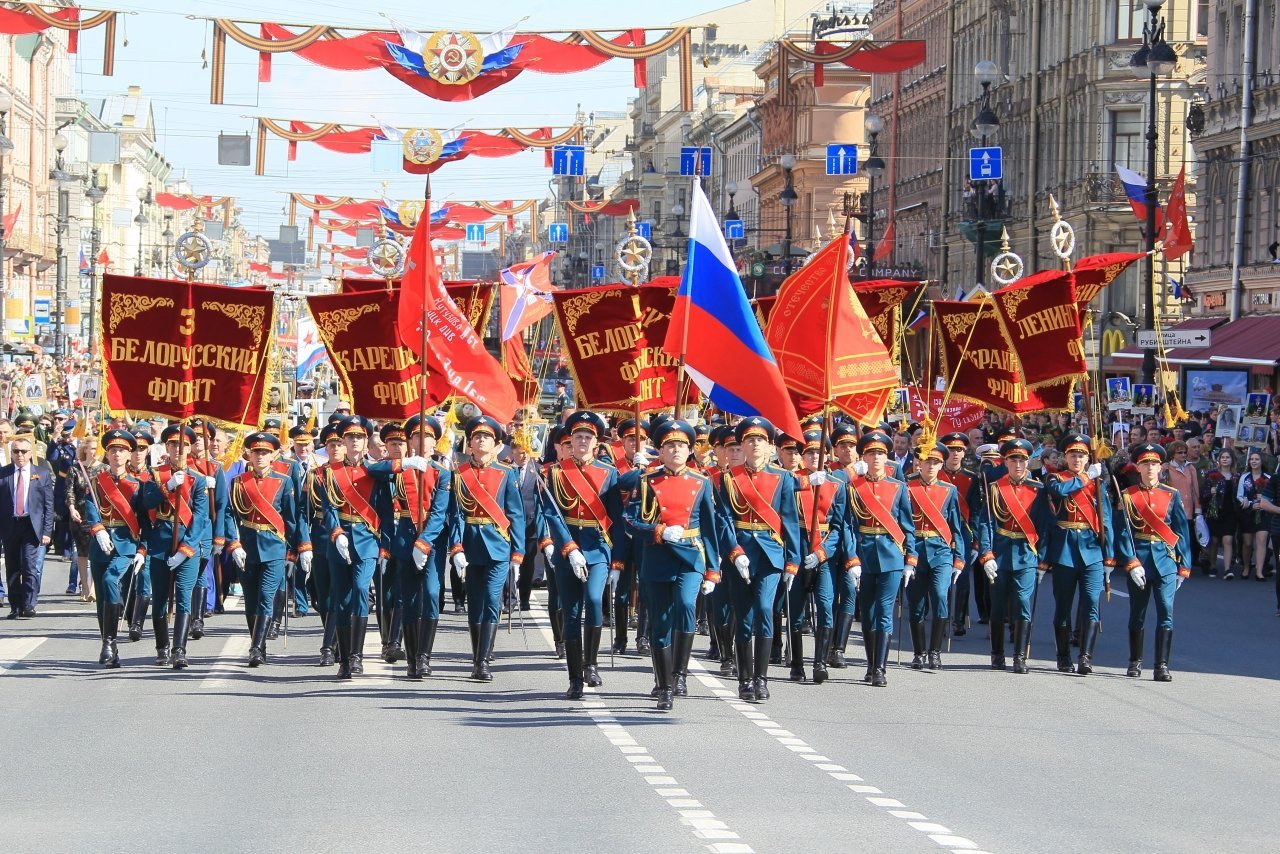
(1040, 318)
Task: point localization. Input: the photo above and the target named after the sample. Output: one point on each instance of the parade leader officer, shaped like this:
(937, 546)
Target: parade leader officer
(26, 525)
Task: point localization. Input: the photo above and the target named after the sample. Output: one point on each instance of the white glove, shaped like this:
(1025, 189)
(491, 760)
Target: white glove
(860, 468)
(811, 560)
(1139, 576)
(955, 575)
(1177, 585)
(419, 558)
(1094, 471)
(210, 483)
(1202, 531)
(176, 559)
(614, 575)
(238, 557)
(855, 572)
(990, 568)
(217, 549)
(673, 533)
(104, 542)
(415, 463)
(708, 587)
(577, 560)
(1039, 575)
(817, 478)
(743, 565)
(343, 545)
(908, 573)
(304, 561)
(787, 580)
(179, 478)
(640, 460)
(548, 553)
(136, 564)
(460, 563)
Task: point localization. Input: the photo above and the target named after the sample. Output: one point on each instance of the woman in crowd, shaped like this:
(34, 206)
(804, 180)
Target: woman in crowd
(1254, 526)
(1221, 510)
(77, 490)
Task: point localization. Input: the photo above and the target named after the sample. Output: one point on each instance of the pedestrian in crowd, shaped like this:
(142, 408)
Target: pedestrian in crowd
(1221, 510)
(77, 495)
(1254, 528)
(26, 525)
(1181, 474)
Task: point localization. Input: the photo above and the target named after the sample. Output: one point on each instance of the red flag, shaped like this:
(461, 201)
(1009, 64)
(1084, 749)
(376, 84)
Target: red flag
(1178, 242)
(11, 219)
(104, 259)
(885, 248)
(455, 348)
(526, 295)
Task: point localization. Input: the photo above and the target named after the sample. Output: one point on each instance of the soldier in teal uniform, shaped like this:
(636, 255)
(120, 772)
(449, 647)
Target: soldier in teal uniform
(313, 509)
(212, 535)
(880, 515)
(265, 533)
(354, 536)
(757, 506)
(940, 544)
(292, 469)
(1010, 539)
(174, 491)
(486, 539)
(673, 513)
(138, 599)
(965, 481)
(415, 510)
(301, 440)
(1152, 543)
(844, 442)
(829, 543)
(728, 453)
(386, 578)
(119, 527)
(629, 458)
(1079, 547)
(584, 514)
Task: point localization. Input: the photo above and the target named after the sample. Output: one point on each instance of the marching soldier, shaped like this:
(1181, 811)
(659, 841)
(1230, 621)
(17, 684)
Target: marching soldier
(212, 527)
(1010, 540)
(139, 599)
(585, 517)
(829, 544)
(757, 503)
(313, 508)
(720, 602)
(673, 513)
(844, 442)
(880, 513)
(630, 460)
(119, 526)
(354, 535)
(562, 449)
(486, 535)
(954, 472)
(386, 580)
(1153, 542)
(300, 452)
(1079, 548)
(265, 534)
(180, 498)
(940, 544)
(292, 469)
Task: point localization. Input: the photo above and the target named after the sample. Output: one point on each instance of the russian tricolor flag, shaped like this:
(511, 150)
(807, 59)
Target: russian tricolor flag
(713, 327)
(1135, 188)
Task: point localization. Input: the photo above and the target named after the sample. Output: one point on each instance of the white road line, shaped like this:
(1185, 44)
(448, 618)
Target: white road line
(693, 813)
(13, 650)
(940, 834)
(229, 664)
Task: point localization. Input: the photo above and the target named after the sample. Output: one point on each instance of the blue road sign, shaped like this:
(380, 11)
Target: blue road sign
(475, 232)
(695, 161)
(644, 228)
(734, 229)
(842, 159)
(568, 160)
(558, 232)
(986, 164)
(597, 272)
(41, 307)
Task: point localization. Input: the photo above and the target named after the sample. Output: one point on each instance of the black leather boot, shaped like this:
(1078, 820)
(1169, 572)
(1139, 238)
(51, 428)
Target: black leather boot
(663, 663)
(881, 646)
(763, 655)
(1135, 653)
(1088, 638)
(359, 627)
(937, 634)
(746, 667)
(775, 651)
(342, 635)
(393, 649)
(111, 619)
(590, 653)
(140, 605)
(278, 604)
(104, 655)
(573, 659)
(821, 646)
(620, 631)
(840, 639)
(869, 649)
(426, 643)
(1062, 641)
(474, 630)
(1021, 628)
(411, 635)
(917, 645)
(997, 645)
(181, 629)
(197, 612)
(160, 628)
(724, 638)
(557, 632)
(797, 658)
(488, 634)
(1164, 642)
(681, 650)
(257, 651)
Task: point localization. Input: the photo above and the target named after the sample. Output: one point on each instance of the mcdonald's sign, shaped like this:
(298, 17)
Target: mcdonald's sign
(1112, 340)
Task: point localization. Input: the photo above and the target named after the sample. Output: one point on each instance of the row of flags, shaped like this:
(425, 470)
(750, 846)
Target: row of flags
(1171, 221)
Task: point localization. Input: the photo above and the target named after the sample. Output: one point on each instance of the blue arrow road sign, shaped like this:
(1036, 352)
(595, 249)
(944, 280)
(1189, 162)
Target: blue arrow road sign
(985, 164)
(842, 159)
(644, 228)
(475, 232)
(568, 160)
(695, 160)
(734, 229)
(597, 272)
(558, 232)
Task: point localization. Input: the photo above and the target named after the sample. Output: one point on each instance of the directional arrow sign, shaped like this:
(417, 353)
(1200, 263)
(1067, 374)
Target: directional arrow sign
(1189, 338)
(986, 164)
(842, 159)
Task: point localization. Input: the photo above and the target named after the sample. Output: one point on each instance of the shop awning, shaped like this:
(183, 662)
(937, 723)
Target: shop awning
(1248, 341)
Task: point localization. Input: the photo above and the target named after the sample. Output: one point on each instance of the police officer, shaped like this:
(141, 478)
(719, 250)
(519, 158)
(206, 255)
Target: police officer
(265, 533)
(585, 519)
(954, 472)
(757, 506)
(673, 513)
(139, 598)
(486, 535)
(941, 546)
(1079, 547)
(880, 513)
(1010, 539)
(119, 527)
(180, 498)
(1153, 545)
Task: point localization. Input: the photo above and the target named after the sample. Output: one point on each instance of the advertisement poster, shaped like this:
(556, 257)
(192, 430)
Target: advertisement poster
(1206, 389)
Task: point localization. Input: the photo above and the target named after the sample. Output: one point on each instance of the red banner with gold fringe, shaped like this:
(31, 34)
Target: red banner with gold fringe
(1040, 318)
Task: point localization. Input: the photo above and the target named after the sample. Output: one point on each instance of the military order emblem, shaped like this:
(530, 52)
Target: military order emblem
(386, 257)
(409, 213)
(191, 253)
(453, 58)
(422, 146)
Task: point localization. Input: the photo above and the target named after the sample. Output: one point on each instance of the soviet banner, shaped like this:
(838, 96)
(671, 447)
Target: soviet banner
(615, 349)
(177, 350)
(1095, 272)
(882, 300)
(1040, 318)
(956, 415)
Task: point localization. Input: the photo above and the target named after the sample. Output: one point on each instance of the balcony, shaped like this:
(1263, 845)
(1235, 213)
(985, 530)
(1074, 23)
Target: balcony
(646, 131)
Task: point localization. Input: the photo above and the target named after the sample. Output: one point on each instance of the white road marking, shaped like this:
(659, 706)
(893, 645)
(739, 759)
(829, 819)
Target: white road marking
(13, 650)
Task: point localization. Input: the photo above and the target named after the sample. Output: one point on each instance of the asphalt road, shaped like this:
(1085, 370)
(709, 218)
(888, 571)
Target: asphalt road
(284, 758)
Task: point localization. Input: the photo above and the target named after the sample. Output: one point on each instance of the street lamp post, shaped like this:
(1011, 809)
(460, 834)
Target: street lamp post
(677, 236)
(95, 194)
(62, 179)
(788, 198)
(873, 124)
(144, 199)
(984, 125)
(6, 148)
(1154, 59)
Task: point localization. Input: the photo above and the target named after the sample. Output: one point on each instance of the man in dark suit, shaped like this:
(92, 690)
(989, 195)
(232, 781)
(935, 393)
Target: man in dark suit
(26, 525)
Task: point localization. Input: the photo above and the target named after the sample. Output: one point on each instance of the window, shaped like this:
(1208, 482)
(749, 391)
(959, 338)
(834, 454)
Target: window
(1130, 15)
(1126, 140)
(657, 213)
(1202, 19)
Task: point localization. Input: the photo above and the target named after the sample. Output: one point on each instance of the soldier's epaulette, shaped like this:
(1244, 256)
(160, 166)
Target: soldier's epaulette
(499, 464)
(915, 475)
(1166, 487)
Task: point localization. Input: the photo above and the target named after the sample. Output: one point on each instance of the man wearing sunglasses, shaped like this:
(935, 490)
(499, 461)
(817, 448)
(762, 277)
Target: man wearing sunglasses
(26, 525)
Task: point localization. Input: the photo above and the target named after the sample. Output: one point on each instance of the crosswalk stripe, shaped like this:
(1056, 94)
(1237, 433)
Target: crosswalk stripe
(13, 650)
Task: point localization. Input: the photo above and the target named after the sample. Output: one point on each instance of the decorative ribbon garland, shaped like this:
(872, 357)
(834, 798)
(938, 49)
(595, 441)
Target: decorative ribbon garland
(66, 19)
